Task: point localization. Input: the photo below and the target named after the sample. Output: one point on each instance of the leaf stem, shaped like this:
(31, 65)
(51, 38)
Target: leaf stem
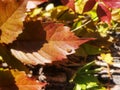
(83, 25)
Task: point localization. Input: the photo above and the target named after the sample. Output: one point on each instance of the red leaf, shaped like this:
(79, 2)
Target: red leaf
(103, 13)
(61, 42)
(89, 5)
(69, 3)
(112, 3)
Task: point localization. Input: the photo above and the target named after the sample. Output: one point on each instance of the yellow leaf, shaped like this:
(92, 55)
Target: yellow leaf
(106, 57)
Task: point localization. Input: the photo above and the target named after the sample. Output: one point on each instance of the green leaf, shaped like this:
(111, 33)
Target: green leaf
(85, 79)
(62, 13)
(91, 50)
(79, 5)
(81, 52)
(87, 49)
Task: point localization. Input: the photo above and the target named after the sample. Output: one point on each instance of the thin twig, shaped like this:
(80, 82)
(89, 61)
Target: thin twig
(81, 26)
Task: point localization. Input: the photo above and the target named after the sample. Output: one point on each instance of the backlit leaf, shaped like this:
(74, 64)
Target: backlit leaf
(69, 3)
(84, 79)
(79, 5)
(89, 5)
(106, 57)
(60, 42)
(112, 3)
(12, 14)
(103, 13)
(116, 15)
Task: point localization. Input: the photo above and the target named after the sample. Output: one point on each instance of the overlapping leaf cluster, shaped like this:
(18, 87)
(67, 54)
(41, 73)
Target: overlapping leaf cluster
(43, 31)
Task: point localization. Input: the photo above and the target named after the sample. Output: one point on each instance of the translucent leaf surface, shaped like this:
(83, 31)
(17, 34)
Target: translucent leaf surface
(116, 15)
(103, 13)
(69, 3)
(89, 5)
(85, 80)
(11, 19)
(60, 42)
(12, 14)
(112, 3)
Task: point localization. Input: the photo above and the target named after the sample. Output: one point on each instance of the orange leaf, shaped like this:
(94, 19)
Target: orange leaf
(18, 80)
(12, 14)
(23, 82)
(60, 42)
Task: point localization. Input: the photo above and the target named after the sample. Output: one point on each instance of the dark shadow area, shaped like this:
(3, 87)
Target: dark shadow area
(56, 3)
(58, 78)
(31, 39)
(7, 81)
(11, 60)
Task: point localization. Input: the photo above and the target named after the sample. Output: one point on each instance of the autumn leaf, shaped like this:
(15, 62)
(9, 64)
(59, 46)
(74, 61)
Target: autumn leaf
(11, 61)
(33, 3)
(112, 3)
(116, 15)
(103, 13)
(12, 17)
(89, 5)
(69, 3)
(60, 42)
(106, 58)
(23, 82)
(18, 80)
